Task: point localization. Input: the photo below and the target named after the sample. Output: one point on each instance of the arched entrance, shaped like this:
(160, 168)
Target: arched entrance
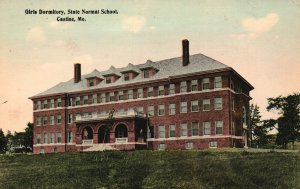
(103, 134)
(121, 131)
(87, 133)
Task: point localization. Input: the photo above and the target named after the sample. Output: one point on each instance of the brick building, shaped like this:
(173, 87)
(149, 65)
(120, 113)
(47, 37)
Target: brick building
(187, 102)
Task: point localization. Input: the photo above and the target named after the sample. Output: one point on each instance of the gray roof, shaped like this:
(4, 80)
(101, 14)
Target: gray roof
(166, 68)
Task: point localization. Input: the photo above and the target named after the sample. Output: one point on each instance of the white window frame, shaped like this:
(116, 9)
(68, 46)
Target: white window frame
(161, 110)
(218, 103)
(77, 101)
(58, 119)
(205, 81)
(171, 109)
(38, 121)
(85, 99)
(183, 86)
(197, 128)
(120, 95)
(139, 93)
(219, 124)
(150, 92)
(38, 105)
(59, 103)
(102, 98)
(130, 94)
(171, 89)
(193, 104)
(45, 138)
(52, 103)
(38, 139)
(45, 119)
(213, 144)
(161, 131)
(111, 96)
(183, 107)
(45, 104)
(194, 83)
(150, 109)
(172, 128)
(161, 88)
(183, 130)
(70, 137)
(206, 102)
(161, 146)
(95, 98)
(58, 137)
(51, 120)
(52, 141)
(218, 82)
(206, 127)
(189, 145)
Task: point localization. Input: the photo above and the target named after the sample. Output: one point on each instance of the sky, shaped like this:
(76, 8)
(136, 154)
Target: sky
(259, 39)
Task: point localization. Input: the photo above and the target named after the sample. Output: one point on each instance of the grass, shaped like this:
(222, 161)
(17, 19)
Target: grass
(152, 169)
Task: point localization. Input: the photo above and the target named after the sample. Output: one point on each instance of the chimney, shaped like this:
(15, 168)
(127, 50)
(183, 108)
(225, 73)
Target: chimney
(77, 73)
(185, 52)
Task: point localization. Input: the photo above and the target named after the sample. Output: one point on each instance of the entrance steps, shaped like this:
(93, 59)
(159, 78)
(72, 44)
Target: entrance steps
(100, 147)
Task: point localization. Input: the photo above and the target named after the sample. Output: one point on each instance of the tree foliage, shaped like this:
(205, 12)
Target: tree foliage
(3, 142)
(289, 120)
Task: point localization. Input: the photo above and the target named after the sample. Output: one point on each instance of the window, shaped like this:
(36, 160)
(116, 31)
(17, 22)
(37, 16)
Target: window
(55, 150)
(85, 99)
(102, 97)
(150, 91)
(195, 129)
(219, 127)
(161, 90)
(205, 84)
(126, 76)
(58, 139)
(206, 126)
(146, 74)
(151, 111)
(51, 120)
(140, 93)
(51, 137)
(45, 104)
(218, 82)
(38, 121)
(213, 144)
(58, 119)
(95, 99)
(244, 115)
(172, 129)
(183, 129)
(140, 109)
(91, 82)
(59, 102)
(218, 104)
(206, 104)
(120, 95)
(195, 106)
(183, 87)
(111, 96)
(189, 145)
(38, 105)
(121, 110)
(70, 137)
(161, 147)
(70, 118)
(161, 131)
(171, 89)
(77, 101)
(52, 103)
(70, 102)
(172, 109)
(45, 137)
(42, 151)
(108, 80)
(45, 121)
(183, 107)
(232, 103)
(38, 138)
(130, 94)
(161, 110)
(232, 128)
(194, 85)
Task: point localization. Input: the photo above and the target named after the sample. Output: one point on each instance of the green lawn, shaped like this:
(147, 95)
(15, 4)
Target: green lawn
(152, 169)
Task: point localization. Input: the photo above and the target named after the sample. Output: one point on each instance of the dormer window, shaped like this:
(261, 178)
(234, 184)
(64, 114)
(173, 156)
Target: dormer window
(108, 80)
(146, 74)
(91, 82)
(126, 76)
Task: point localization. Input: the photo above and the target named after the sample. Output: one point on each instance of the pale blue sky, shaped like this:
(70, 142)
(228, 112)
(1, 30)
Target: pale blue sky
(259, 39)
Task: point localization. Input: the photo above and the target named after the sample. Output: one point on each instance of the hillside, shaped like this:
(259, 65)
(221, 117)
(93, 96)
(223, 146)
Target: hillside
(152, 169)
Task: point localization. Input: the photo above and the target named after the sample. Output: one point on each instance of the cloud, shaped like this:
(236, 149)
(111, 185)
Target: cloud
(59, 25)
(133, 24)
(254, 27)
(260, 25)
(36, 34)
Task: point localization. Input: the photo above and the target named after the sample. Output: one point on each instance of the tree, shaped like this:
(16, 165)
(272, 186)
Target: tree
(3, 142)
(289, 120)
(28, 136)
